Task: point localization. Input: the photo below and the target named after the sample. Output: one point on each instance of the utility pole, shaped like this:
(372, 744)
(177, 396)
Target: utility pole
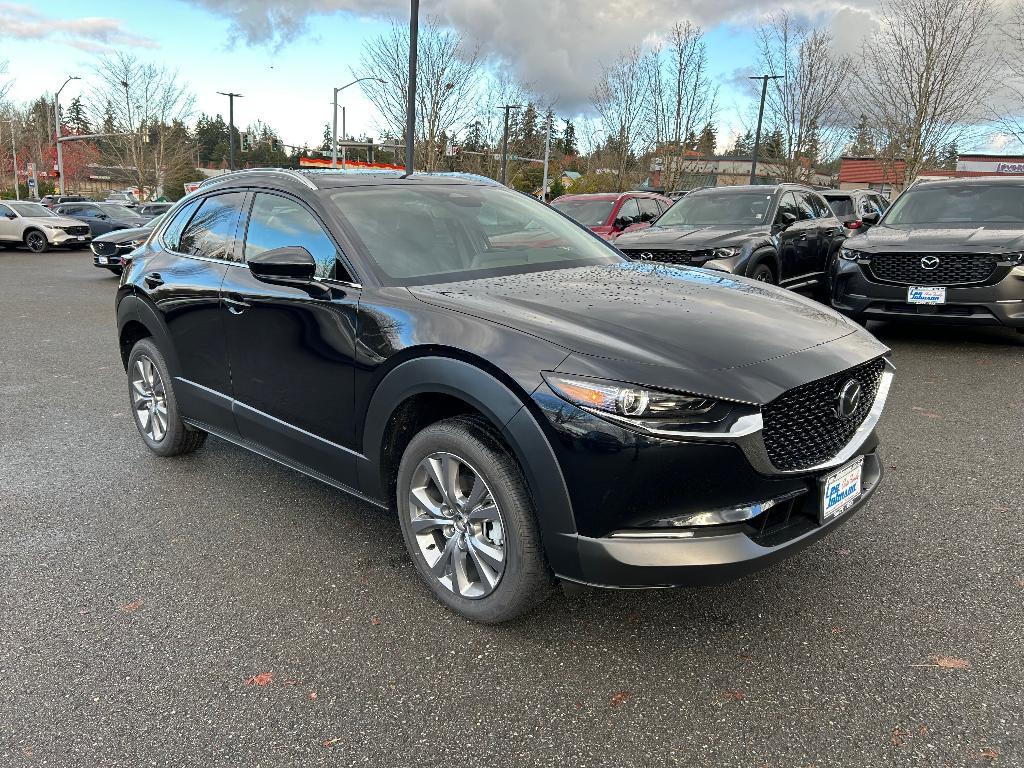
(547, 154)
(504, 142)
(231, 126)
(56, 120)
(410, 104)
(760, 116)
(344, 138)
(334, 126)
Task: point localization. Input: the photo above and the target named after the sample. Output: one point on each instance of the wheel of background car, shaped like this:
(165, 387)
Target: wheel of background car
(468, 522)
(763, 273)
(36, 241)
(154, 406)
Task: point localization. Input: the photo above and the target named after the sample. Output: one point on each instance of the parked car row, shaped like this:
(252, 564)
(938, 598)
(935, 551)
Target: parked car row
(69, 222)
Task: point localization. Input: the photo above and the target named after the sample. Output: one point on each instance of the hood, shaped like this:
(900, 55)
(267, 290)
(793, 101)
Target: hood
(967, 239)
(649, 314)
(55, 221)
(688, 237)
(123, 235)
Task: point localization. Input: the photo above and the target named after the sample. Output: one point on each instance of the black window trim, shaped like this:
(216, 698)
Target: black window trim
(340, 253)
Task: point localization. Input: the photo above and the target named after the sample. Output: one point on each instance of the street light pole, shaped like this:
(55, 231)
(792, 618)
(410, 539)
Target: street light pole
(410, 102)
(56, 121)
(334, 127)
(760, 116)
(231, 126)
(504, 142)
(547, 154)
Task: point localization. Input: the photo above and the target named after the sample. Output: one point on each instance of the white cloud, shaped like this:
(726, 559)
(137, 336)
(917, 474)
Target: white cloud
(93, 34)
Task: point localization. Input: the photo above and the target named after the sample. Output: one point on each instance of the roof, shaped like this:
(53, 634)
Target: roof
(971, 181)
(572, 174)
(319, 178)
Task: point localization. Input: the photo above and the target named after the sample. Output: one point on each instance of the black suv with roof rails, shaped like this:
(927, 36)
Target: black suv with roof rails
(784, 234)
(946, 251)
(533, 405)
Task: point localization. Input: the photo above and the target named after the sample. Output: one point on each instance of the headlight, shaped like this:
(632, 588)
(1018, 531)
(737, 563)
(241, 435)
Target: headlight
(849, 254)
(131, 245)
(652, 407)
(724, 253)
(1015, 259)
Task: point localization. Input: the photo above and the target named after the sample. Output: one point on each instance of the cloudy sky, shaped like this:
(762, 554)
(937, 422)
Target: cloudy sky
(285, 56)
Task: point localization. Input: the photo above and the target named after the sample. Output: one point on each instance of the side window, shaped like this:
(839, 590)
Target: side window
(629, 210)
(211, 232)
(172, 234)
(4, 210)
(821, 209)
(788, 205)
(648, 208)
(277, 222)
(883, 203)
(803, 203)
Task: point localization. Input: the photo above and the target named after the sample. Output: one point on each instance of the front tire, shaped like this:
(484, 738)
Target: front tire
(36, 241)
(763, 273)
(154, 406)
(468, 522)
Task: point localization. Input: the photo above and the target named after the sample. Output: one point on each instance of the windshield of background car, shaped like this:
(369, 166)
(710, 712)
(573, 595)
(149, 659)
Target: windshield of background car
(422, 234)
(973, 204)
(589, 213)
(841, 206)
(34, 210)
(708, 209)
(117, 211)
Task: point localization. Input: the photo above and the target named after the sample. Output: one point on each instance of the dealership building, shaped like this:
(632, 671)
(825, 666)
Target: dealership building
(869, 173)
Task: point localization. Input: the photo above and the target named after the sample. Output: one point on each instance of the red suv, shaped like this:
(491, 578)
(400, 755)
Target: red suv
(610, 213)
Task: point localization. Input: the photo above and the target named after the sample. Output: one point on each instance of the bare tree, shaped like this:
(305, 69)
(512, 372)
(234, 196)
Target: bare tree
(1009, 111)
(447, 75)
(682, 98)
(928, 77)
(620, 98)
(805, 105)
(147, 106)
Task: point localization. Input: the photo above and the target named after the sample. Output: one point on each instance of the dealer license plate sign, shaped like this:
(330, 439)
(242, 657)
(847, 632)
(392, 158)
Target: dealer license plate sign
(841, 489)
(926, 295)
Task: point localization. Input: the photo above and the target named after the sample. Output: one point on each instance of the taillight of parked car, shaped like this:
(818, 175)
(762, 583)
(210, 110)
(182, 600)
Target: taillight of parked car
(855, 224)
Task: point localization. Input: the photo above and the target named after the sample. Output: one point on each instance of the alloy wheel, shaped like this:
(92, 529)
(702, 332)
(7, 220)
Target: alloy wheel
(36, 242)
(457, 525)
(149, 399)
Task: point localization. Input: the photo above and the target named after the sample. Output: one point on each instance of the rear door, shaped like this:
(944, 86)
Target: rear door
(796, 239)
(292, 344)
(808, 238)
(830, 231)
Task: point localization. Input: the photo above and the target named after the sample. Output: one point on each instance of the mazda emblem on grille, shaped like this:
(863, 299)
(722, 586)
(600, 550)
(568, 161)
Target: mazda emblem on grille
(929, 262)
(646, 255)
(848, 400)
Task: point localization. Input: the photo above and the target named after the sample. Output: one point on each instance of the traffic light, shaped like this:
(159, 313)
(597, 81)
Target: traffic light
(244, 141)
(274, 144)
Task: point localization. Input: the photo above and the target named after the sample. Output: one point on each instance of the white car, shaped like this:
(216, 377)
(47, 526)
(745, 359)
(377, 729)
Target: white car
(38, 228)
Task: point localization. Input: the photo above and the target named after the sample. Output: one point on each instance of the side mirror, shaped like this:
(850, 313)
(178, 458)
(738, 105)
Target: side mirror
(870, 218)
(785, 220)
(10, 215)
(622, 222)
(292, 261)
(102, 217)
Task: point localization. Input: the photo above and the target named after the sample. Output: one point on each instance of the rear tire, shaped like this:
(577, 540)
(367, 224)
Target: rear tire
(468, 522)
(36, 241)
(763, 273)
(154, 406)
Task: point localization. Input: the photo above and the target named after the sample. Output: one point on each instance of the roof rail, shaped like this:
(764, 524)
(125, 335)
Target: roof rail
(292, 174)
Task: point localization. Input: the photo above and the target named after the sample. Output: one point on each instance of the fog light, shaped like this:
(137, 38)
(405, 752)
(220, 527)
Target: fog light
(704, 518)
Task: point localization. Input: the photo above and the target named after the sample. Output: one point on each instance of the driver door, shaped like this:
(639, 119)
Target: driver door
(9, 229)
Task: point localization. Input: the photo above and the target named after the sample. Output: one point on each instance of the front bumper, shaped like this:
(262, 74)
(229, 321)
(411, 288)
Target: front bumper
(1000, 303)
(60, 237)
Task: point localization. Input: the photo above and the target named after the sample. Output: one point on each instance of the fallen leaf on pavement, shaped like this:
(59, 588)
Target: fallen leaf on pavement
(734, 695)
(312, 695)
(132, 607)
(989, 754)
(621, 697)
(263, 678)
(375, 621)
(331, 742)
(945, 662)
(897, 738)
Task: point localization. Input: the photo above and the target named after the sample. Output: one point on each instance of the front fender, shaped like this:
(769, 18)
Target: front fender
(502, 407)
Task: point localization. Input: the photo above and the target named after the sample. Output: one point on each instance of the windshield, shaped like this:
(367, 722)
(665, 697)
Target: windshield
(713, 208)
(117, 211)
(154, 221)
(972, 204)
(34, 210)
(589, 213)
(841, 206)
(423, 234)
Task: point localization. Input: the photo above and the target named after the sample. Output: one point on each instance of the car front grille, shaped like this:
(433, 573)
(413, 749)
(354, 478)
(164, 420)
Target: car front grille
(950, 268)
(802, 427)
(668, 256)
(104, 248)
(77, 229)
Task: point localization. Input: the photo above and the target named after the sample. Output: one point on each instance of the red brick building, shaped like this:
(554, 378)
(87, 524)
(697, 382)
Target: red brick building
(869, 173)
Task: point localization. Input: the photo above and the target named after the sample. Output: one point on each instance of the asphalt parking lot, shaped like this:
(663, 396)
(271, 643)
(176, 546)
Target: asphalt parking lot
(218, 610)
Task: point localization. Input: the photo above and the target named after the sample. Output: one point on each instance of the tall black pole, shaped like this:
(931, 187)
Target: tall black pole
(760, 116)
(504, 143)
(410, 109)
(231, 127)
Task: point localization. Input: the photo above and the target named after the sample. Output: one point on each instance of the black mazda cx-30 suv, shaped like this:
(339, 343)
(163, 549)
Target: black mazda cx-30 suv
(533, 405)
(949, 251)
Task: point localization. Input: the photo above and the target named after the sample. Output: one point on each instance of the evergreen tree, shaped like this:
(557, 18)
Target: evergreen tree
(567, 144)
(556, 189)
(474, 141)
(76, 119)
(862, 143)
(690, 142)
(949, 156)
(707, 140)
(773, 145)
(744, 145)
(325, 145)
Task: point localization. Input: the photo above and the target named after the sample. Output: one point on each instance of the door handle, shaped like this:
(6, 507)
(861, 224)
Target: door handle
(153, 280)
(235, 304)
